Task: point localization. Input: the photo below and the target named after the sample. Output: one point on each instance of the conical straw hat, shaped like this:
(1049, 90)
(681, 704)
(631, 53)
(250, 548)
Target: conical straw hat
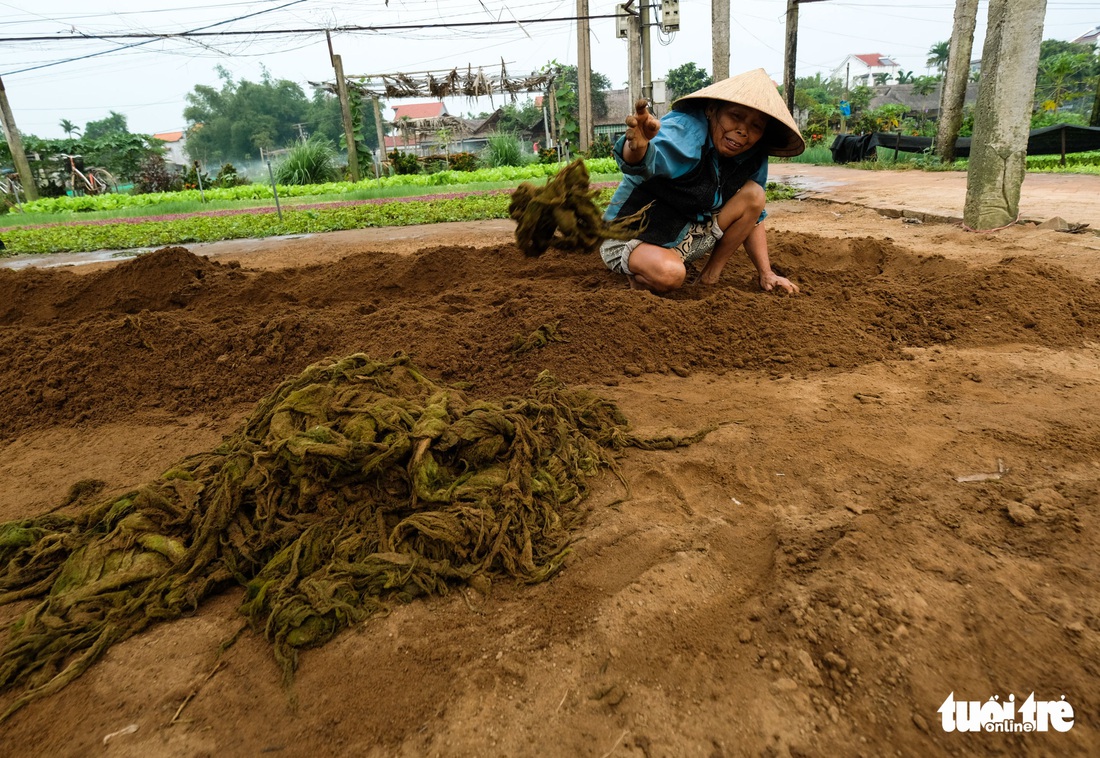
(756, 90)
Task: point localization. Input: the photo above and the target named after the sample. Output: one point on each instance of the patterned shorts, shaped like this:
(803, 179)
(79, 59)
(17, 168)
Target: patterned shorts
(697, 243)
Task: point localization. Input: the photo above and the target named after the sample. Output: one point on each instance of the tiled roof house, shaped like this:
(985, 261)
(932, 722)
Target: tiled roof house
(860, 69)
(1090, 37)
(174, 146)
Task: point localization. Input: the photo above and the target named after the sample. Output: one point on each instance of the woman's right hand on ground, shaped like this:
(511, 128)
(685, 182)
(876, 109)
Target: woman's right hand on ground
(641, 127)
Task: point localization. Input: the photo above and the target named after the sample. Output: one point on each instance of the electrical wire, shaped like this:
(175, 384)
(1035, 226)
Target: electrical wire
(146, 42)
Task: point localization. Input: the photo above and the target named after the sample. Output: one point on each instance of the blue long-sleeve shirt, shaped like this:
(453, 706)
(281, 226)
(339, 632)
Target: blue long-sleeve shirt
(675, 151)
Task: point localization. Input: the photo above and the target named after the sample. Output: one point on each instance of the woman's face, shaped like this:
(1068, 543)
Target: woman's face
(735, 128)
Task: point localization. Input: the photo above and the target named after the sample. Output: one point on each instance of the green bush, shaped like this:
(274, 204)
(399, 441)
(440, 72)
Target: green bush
(504, 150)
(463, 161)
(193, 175)
(600, 147)
(1074, 161)
(1044, 119)
(309, 162)
(404, 163)
(433, 164)
(153, 176)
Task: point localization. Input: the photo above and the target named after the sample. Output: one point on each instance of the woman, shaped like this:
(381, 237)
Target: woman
(698, 176)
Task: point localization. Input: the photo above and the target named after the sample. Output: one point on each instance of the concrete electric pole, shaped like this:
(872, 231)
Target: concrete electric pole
(790, 52)
(584, 78)
(345, 112)
(719, 39)
(15, 144)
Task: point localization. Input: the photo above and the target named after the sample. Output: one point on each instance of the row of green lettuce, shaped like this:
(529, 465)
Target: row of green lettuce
(73, 238)
(116, 201)
(128, 235)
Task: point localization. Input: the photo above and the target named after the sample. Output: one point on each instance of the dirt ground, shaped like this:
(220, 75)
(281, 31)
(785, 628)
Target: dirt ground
(900, 501)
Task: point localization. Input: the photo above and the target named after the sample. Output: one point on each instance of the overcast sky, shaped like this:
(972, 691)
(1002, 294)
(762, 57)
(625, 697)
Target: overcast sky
(82, 79)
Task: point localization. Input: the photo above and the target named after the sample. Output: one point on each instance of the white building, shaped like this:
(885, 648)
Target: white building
(174, 147)
(861, 69)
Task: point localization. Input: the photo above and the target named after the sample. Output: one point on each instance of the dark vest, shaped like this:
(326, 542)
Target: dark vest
(675, 203)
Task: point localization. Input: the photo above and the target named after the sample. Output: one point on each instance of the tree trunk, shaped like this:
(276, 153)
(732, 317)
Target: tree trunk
(953, 95)
(1002, 120)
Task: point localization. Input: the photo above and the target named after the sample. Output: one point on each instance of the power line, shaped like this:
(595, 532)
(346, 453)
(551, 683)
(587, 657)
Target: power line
(150, 36)
(147, 38)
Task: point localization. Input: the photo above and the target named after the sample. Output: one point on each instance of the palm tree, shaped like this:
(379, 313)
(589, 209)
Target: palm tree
(69, 127)
(924, 85)
(937, 56)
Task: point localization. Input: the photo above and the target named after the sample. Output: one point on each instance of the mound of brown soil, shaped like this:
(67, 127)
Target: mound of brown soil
(176, 332)
(900, 501)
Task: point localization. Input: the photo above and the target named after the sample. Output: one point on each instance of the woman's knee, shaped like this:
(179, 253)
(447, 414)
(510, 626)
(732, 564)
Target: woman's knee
(748, 202)
(661, 272)
(661, 268)
(753, 196)
(667, 275)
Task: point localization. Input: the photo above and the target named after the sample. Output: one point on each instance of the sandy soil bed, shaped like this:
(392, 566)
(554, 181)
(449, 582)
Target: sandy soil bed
(815, 578)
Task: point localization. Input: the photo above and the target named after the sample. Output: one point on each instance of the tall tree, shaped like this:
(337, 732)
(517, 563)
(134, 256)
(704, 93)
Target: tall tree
(956, 77)
(69, 128)
(685, 79)
(516, 118)
(324, 118)
(568, 112)
(242, 117)
(113, 124)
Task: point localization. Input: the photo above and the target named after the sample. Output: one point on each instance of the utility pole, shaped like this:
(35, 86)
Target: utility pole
(790, 53)
(345, 111)
(634, 47)
(647, 53)
(584, 78)
(719, 40)
(15, 143)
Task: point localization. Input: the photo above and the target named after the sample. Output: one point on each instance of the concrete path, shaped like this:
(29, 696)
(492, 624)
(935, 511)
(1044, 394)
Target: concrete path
(941, 195)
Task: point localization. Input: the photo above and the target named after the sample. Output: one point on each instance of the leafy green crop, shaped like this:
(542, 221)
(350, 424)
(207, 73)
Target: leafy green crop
(123, 235)
(66, 204)
(204, 228)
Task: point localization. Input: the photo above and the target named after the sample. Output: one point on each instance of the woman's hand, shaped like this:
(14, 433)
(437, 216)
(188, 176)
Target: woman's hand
(641, 127)
(769, 280)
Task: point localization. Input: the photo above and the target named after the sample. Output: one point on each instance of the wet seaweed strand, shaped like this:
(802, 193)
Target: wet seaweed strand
(563, 213)
(357, 483)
